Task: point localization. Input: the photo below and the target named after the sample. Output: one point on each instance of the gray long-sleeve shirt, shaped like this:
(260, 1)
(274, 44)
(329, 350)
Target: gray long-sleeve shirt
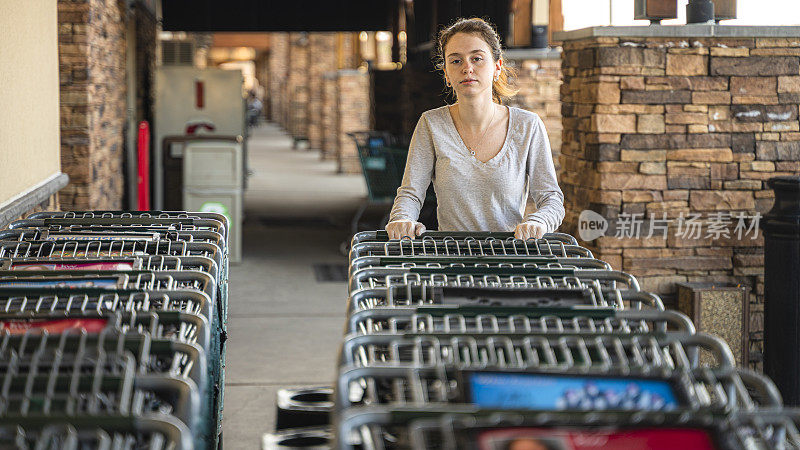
(477, 196)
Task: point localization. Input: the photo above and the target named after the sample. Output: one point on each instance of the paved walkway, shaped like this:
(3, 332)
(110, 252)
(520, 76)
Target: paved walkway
(284, 327)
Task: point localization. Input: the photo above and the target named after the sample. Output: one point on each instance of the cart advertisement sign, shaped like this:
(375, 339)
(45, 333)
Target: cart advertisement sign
(17, 327)
(556, 392)
(110, 265)
(101, 237)
(102, 283)
(216, 207)
(596, 439)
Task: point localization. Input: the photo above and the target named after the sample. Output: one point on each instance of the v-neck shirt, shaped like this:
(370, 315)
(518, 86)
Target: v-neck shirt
(461, 138)
(481, 196)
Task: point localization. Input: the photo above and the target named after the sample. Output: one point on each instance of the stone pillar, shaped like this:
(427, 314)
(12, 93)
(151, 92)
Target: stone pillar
(146, 28)
(278, 68)
(539, 83)
(347, 50)
(353, 115)
(670, 122)
(93, 91)
(322, 59)
(297, 85)
(330, 118)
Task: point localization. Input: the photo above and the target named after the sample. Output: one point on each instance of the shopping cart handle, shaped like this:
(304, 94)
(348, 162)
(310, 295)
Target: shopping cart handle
(125, 221)
(383, 235)
(558, 311)
(385, 261)
(495, 297)
(500, 271)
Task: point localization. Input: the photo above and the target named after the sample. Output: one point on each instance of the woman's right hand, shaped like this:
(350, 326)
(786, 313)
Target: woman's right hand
(404, 228)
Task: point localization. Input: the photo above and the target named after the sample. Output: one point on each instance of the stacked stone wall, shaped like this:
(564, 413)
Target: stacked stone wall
(322, 59)
(539, 82)
(353, 115)
(278, 72)
(670, 128)
(330, 107)
(92, 83)
(297, 85)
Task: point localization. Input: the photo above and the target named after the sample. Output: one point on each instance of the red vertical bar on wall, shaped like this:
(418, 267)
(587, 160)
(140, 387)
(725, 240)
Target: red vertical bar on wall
(143, 148)
(199, 94)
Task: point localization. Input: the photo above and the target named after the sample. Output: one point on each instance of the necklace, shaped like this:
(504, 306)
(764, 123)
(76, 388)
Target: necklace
(472, 149)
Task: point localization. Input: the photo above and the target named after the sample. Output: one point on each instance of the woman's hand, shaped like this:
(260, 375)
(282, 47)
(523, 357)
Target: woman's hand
(404, 228)
(529, 230)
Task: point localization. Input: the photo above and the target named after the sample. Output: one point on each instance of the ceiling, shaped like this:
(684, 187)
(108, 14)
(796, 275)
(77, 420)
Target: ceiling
(277, 15)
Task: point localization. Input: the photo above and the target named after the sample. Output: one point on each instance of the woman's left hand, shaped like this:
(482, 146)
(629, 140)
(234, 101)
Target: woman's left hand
(529, 230)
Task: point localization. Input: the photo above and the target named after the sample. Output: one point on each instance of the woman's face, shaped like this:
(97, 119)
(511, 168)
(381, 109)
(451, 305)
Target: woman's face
(468, 65)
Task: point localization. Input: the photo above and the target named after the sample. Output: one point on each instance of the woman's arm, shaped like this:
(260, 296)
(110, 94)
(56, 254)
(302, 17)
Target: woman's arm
(543, 183)
(417, 176)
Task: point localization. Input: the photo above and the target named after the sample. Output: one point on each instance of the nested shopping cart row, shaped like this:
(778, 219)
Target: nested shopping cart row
(470, 428)
(479, 340)
(143, 295)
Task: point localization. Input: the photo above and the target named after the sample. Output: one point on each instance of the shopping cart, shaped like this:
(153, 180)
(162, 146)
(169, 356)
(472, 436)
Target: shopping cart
(501, 298)
(123, 248)
(467, 320)
(182, 315)
(113, 232)
(180, 220)
(212, 224)
(54, 337)
(470, 428)
(169, 263)
(139, 262)
(100, 214)
(178, 326)
(180, 224)
(131, 282)
(107, 248)
(511, 371)
(383, 236)
(383, 161)
(88, 382)
(468, 247)
(522, 277)
(151, 431)
(551, 262)
(66, 301)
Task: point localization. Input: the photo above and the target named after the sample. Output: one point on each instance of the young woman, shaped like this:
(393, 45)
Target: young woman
(484, 159)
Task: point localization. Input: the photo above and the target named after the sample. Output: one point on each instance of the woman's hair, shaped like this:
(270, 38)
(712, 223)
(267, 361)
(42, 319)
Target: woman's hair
(483, 29)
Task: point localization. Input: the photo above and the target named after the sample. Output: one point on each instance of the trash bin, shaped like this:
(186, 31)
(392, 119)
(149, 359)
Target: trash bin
(212, 173)
(720, 309)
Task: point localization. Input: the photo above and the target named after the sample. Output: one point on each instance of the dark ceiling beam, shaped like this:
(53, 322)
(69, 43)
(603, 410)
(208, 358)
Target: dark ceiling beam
(277, 15)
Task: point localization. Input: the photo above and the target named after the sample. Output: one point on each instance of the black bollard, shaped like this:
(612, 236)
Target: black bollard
(782, 288)
(700, 11)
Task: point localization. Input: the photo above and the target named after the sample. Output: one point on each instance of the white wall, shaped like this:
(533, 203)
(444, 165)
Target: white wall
(29, 95)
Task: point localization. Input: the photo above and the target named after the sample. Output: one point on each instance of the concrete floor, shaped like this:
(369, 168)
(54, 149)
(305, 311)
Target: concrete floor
(284, 327)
